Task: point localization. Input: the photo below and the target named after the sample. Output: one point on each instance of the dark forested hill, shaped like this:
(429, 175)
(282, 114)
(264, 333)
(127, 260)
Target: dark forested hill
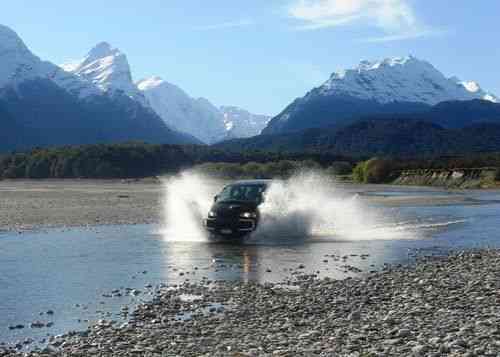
(459, 114)
(320, 111)
(325, 112)
(395, 137)
(39, 113)
(448, 127)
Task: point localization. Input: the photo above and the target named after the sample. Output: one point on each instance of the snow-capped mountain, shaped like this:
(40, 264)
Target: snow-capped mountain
(104, 75)
(373, 87)
(197, 116)
(108, 69)
(400, 79)
(44, 105)
(19, 64)
(240, 123)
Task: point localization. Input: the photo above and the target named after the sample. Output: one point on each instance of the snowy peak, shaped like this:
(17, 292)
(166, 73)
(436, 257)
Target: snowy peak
(475, 88)
(178, 110)
(17, 61)
(11, 44)
(19, 64)
(400, 79)
(387, 64)
(198, 116)
(108, 69)
(394, 85)
(240, 123)
(101, 50)
(391, 62)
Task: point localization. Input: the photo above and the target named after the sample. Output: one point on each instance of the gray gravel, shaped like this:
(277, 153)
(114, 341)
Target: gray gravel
(37, 204)
(440, 307)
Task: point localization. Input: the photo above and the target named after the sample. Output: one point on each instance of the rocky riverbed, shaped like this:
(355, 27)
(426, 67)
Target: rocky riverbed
(439, 307)
(39, 204)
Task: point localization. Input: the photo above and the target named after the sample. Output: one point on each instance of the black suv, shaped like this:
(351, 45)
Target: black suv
(235, 210)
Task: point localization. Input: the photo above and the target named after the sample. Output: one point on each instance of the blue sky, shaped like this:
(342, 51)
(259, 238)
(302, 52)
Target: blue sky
(261, 54)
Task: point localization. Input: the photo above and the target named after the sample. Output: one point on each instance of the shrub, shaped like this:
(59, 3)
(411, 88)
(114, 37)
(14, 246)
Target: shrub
(359, 172)
(374, 171)
(277, 169)
(497, 174)
(378, 170)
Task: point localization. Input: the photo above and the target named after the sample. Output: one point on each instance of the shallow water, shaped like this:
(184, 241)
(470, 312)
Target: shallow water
(69, 271)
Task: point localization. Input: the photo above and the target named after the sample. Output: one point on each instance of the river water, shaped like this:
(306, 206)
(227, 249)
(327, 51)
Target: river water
(82, 275)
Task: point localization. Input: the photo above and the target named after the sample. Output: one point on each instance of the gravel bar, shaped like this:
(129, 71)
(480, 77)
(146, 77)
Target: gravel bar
(38, 204)
(447, 306)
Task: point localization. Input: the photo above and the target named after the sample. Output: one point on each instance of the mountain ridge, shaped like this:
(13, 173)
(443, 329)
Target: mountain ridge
(198, 116)
(370, 88)
(108, 69)
(43, 105)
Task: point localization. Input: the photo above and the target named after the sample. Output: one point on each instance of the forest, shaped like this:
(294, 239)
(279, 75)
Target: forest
(133, 160)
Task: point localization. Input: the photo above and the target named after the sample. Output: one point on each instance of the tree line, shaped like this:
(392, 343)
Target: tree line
(135, 159)
(274, 169)
(132, 160)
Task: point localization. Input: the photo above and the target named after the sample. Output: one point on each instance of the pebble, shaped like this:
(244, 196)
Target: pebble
(430, 309)
(37, 324)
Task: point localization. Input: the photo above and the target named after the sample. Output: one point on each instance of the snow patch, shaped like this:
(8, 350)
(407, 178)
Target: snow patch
(19, 64)
(198, 116)
(403, 79)
(108, 69)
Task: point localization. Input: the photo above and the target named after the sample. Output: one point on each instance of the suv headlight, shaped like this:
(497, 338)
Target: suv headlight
(212, 214)
(248, 215)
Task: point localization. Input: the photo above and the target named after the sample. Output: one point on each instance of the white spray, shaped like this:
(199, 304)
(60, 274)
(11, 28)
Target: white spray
(306, 205)
(187, 200)
(309, 204)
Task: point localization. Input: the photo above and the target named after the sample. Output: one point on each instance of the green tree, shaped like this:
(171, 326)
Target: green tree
(359, 172)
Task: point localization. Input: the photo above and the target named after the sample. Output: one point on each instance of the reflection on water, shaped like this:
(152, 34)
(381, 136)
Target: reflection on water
(83, 274)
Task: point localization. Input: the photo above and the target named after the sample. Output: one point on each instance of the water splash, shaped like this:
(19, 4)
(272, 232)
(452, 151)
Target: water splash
(187, 199)
(308, 204)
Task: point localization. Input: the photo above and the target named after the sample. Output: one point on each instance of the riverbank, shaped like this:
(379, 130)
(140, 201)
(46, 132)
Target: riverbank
(37, 204)
(449, 178)
(440, 306)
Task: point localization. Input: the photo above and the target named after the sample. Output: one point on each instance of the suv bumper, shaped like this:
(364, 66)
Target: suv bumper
(242, 225)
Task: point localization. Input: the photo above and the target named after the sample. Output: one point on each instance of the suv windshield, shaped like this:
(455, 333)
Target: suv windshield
(242, 192)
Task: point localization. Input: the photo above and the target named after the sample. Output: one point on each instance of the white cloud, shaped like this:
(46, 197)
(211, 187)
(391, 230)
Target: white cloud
(396, 19)
(226, 25)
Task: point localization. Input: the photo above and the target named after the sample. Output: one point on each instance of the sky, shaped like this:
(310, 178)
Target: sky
(262, 54)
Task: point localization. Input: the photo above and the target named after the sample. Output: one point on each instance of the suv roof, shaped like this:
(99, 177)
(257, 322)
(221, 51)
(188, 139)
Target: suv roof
(252, 182)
